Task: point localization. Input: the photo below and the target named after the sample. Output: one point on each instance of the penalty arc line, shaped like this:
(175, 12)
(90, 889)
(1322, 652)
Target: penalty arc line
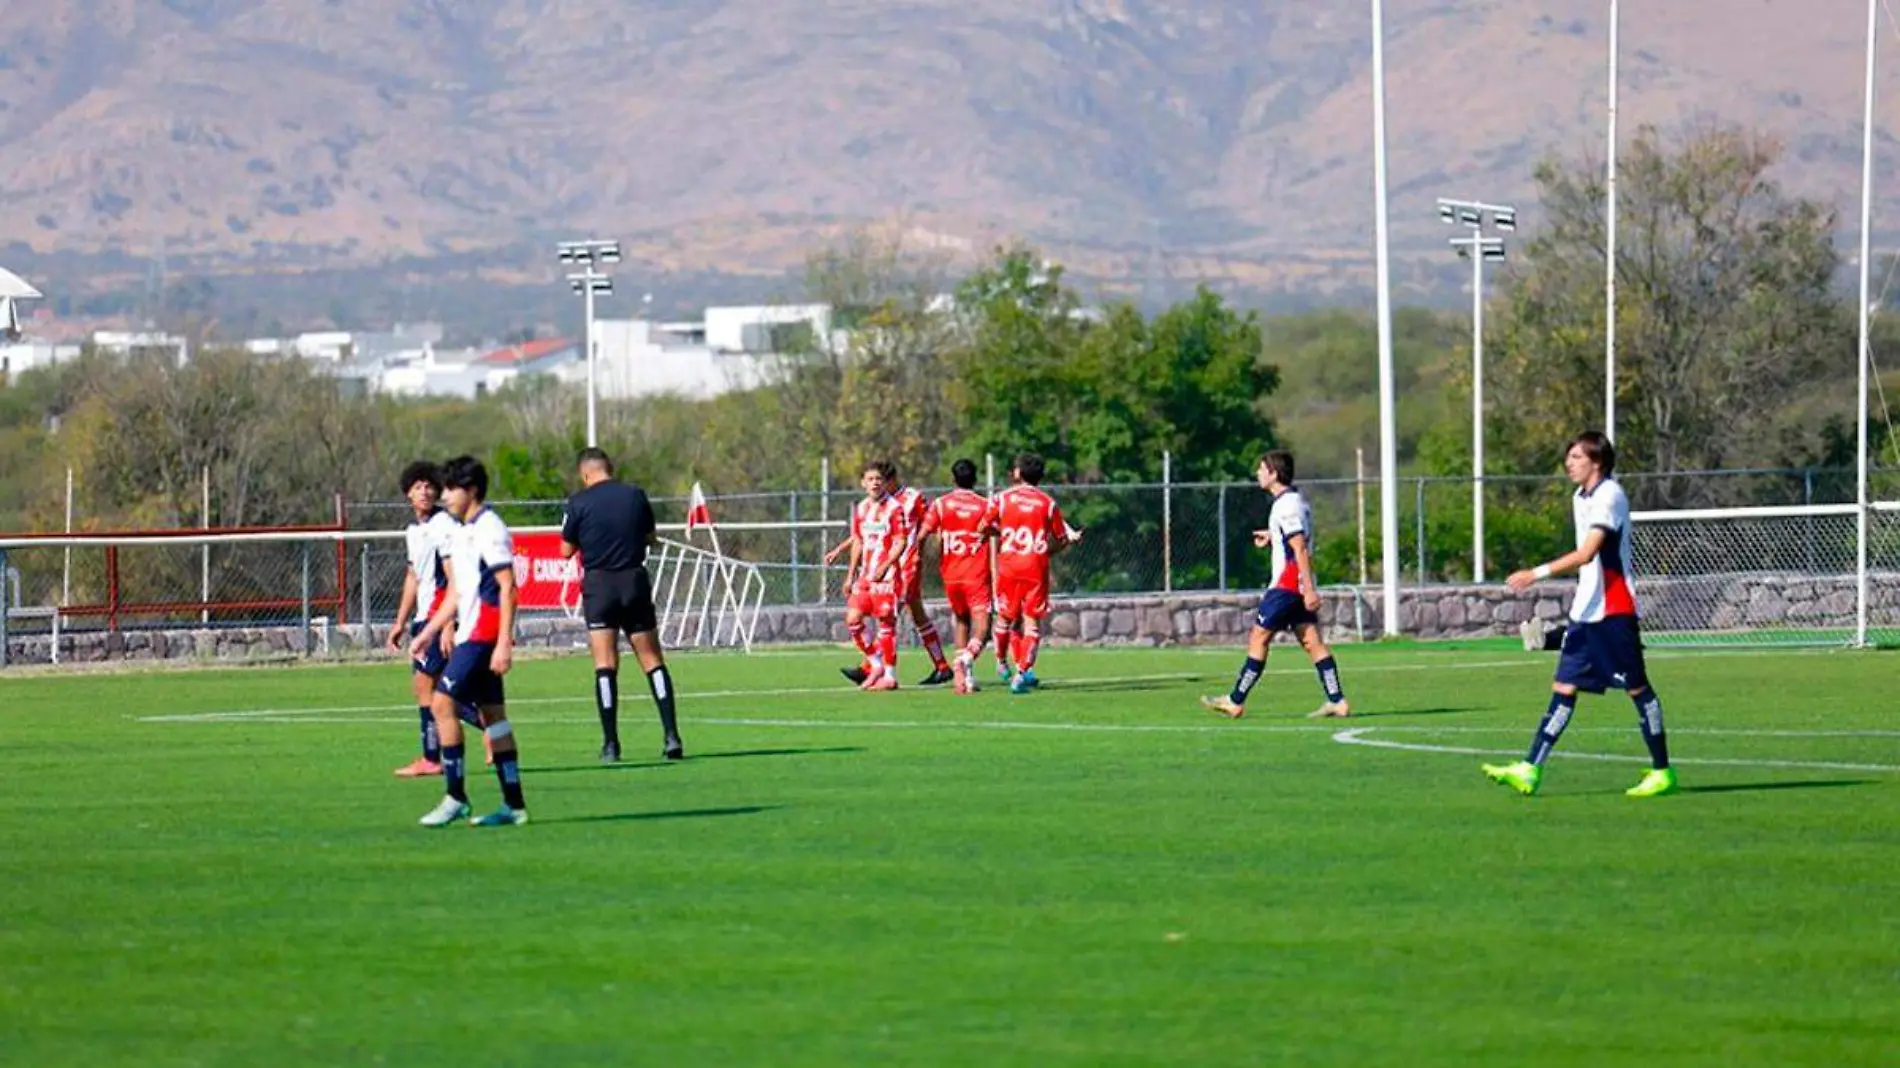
(1357, 736)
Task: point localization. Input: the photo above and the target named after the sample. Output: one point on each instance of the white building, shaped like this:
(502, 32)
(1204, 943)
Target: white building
(128, 343)
(22, 356)
(733, 348)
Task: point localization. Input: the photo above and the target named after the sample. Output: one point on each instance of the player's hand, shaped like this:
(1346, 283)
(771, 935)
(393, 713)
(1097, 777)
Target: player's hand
(447, 640)
(394, 642)
(832, 556)
(1262, 538)
(420, 645)
(502, 658)
(1520, 580)
(1312, 600)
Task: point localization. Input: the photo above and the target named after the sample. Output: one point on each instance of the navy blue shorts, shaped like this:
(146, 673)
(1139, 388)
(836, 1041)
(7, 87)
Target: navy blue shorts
(468, 678)
(432, 660)
(1601, 656)
(1283, 610)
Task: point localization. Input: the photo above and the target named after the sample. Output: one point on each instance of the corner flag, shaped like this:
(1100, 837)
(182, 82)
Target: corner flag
(697, 514)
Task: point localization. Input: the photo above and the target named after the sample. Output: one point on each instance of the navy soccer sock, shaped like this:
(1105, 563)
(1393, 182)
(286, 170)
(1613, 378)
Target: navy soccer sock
(1329, 680)
(1244, 683)
(431, 745)
(453, 773)
(1556, 718)
(1649, 717)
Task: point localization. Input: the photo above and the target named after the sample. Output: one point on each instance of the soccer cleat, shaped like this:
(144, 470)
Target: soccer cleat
(446, 811)
(610, 753)
(1028, 675)
(1224, 705)
(419, 768)
(1660, 782)
(1331, 710)
(854, 675)
(1020, 684)
(1002, 672)
(938, 677)
(1522, 776)
(1532, 632)
(501, 817)
(884, 683)
(674, 750)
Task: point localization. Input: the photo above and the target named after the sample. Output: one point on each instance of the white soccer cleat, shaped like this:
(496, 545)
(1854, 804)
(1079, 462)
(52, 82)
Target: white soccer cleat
(502, 817)
(446, 811)
(1533, 634)
(1331, 710)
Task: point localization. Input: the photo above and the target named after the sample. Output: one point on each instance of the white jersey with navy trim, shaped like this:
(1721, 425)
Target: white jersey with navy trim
(428, 541)
(483, 546)
(1290, 515)
(1606, 586)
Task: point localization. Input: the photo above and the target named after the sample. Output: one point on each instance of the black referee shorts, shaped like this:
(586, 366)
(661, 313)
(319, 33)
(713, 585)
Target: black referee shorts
(618, 600)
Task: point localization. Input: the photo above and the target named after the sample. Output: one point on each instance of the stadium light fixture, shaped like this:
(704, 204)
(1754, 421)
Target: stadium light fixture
(590, 283)
(1480, 250)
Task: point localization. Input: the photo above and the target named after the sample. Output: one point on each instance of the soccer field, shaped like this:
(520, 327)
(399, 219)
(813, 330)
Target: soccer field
(216, 867)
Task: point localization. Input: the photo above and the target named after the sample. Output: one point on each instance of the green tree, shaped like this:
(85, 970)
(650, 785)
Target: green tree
(1727, 318)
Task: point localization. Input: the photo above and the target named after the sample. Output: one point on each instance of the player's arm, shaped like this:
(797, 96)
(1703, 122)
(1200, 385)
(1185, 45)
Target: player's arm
(1570, 561)
(503, 657)
(1303, 559)
(405, 609)
(570, 534)
(436, 626)
(850, 543)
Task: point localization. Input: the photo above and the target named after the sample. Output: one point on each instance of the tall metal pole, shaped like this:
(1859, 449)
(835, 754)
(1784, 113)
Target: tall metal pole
(1388, 420)
(1609, 258)
(1866, 255)
(1477, 413)
(587, 326)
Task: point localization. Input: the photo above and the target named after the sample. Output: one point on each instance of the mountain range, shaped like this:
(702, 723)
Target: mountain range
(1212, 140)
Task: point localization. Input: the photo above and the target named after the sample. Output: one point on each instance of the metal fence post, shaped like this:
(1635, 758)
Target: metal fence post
(824, 516)
(1167, 522)
(794, 546)
(362, 580)
(1221, 523)
(1421, 530)
(6, 611)
(306, 598)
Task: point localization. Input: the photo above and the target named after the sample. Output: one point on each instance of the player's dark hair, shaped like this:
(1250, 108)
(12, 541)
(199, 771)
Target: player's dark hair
(1280, 462)
(963, 473)
(1598, 448)
(421, 471)
(591, 455)
(888, 469)
(1029, 468)
(466, 472)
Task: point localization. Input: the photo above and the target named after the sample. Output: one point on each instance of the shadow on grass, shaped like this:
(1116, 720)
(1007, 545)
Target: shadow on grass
(1113, 685)
(676, 814)
(691, 757)
(1387, 713)
(1749, 787)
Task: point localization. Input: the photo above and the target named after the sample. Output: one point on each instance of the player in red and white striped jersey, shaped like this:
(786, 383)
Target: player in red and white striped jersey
(1028, 527)
(915, 505)
(873, 584)
(963, 559)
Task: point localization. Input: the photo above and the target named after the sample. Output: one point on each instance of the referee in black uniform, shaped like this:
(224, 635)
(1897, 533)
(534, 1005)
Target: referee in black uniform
(610, 524)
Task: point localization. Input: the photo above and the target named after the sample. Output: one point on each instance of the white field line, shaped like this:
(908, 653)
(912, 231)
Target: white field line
(1357, 736)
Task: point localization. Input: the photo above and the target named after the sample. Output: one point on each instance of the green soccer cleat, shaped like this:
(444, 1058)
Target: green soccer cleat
(1660, 782)
(1522, 776)
(502, 817)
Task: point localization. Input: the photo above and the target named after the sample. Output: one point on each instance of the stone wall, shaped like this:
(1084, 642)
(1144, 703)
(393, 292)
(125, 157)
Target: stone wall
(1728, 603)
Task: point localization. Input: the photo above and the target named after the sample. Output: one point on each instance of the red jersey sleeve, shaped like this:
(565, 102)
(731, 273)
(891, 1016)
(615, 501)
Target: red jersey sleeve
(1058, 526)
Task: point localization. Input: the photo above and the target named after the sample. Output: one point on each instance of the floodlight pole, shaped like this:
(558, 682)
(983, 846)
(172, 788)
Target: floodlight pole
(1866, 358)
(588, 282)
(1609, 256)
(1477, 248)
(1388, 421)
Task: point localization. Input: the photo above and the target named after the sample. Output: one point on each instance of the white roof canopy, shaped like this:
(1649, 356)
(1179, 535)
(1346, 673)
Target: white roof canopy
(13, 287)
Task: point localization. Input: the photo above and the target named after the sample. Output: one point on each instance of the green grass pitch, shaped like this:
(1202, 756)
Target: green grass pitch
(217, 868)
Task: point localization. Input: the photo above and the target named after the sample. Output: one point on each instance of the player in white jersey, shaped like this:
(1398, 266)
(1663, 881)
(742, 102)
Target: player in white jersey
(425, 584)
(1291, 601)
(482, 561)
(1603, 645)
